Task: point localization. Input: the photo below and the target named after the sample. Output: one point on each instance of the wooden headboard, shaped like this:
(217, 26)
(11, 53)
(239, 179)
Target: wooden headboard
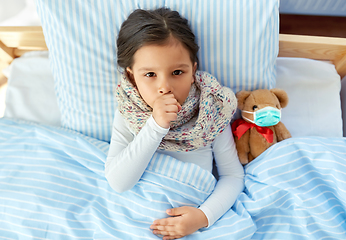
(319, 48)
(15, 41)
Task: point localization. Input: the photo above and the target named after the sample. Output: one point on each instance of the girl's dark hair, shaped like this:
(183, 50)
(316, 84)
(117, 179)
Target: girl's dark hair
(153, 27)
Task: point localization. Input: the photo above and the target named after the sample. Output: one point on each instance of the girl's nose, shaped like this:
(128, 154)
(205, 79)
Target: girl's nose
(165, 87)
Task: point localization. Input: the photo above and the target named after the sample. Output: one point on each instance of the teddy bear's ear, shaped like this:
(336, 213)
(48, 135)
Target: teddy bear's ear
(281, 95)
(241, 97)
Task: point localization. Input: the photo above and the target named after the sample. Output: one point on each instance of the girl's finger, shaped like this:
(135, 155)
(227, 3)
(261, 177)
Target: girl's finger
(172, 237)
(163, 233)
(176, 211)
(179, 106)
(161, 228)
(171, 221)
(167, 234)
(171, 97)
(171, 116)
(172, 108)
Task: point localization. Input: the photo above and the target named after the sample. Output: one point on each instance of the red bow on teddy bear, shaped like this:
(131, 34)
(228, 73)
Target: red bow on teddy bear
(240, 126)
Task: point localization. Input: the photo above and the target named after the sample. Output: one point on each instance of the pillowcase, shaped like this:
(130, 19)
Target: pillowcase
(313, 7)
(238, 44)
(313, 88)
(30, 91)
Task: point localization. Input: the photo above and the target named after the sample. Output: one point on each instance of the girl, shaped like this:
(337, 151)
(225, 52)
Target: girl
(166, 105)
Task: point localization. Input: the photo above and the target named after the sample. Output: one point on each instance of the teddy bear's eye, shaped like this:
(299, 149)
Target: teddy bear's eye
(254, 107)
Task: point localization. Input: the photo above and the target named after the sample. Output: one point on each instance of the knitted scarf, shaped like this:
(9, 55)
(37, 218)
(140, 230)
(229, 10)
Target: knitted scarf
(205, 113)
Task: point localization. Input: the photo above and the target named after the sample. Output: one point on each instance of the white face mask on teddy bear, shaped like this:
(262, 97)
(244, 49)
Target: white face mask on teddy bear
(268, 116)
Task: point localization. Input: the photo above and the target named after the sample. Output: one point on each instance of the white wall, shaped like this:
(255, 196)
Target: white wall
(18, 13)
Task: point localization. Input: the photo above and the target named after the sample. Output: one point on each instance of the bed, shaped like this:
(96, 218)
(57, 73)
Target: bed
(53, 148)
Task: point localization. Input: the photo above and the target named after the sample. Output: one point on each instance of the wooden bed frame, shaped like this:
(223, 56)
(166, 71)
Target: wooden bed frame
(15, 41)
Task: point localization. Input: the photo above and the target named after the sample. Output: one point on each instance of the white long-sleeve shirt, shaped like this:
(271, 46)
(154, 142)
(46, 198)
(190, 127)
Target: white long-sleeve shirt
(130, 154)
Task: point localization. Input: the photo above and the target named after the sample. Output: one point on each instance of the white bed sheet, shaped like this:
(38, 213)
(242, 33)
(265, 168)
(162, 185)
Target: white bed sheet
(313, 88)
(30, 91)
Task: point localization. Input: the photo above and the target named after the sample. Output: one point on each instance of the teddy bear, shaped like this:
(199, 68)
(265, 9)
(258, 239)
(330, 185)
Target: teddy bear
(260, 126)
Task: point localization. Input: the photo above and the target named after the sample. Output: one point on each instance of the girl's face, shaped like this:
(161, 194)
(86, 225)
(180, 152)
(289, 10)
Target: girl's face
(162, 69)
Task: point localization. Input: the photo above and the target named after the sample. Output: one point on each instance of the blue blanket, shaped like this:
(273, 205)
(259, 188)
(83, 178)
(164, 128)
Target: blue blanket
(52, 186)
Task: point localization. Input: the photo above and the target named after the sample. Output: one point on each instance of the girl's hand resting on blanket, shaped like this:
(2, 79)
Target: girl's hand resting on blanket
(165, 110)
(184, 221)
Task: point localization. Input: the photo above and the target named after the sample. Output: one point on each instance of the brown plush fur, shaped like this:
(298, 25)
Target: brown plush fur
(252, 143)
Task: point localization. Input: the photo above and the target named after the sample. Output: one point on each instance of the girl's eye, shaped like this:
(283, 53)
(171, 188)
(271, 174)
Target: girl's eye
(150, 74)
(177, 72)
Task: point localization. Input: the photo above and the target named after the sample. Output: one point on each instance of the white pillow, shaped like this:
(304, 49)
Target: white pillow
(238, 45)
(30, 91)
(313, 88)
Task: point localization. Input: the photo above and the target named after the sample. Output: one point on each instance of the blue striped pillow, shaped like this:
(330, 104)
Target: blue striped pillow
(238, 44)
